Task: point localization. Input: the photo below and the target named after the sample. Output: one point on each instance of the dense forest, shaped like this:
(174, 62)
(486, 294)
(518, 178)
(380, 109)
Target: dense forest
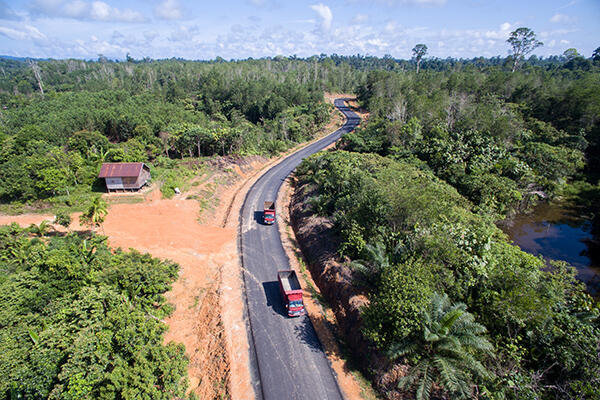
(81, 320)
(529, 330)
(451, 147)
(496, 136)
(473, 121)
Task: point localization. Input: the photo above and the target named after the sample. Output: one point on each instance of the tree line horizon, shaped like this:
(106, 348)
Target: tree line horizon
(522, 40)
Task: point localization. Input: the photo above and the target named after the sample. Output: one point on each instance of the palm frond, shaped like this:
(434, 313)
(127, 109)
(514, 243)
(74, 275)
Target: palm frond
(398, 350)
(451, 339)
(424, 389)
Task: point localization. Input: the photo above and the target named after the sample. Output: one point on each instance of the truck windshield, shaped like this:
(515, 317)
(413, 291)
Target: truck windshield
(296, 303)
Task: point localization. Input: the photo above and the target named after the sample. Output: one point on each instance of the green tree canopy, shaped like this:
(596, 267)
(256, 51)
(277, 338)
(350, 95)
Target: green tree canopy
(419, 52)
(523, 41)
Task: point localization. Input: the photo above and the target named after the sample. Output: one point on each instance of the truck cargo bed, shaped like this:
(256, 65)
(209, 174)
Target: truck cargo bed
(289, 280)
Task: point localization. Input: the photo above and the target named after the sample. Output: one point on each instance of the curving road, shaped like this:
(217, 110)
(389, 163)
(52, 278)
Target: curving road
(286, 355)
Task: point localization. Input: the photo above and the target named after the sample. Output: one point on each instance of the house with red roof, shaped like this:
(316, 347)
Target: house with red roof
(125, 176)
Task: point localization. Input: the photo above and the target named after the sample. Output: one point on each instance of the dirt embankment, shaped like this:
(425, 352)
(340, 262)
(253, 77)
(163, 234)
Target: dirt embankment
(319, 243)
(314, 236)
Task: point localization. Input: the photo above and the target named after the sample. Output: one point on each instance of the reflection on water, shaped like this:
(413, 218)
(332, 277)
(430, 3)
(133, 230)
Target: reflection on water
(560, 233)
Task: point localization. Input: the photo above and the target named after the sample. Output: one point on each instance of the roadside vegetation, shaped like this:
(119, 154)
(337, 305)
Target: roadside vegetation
(432, 266)
(81, 320)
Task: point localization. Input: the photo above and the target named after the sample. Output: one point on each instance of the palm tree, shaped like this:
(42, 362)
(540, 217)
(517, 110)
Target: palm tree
(376, 260)
(446, 349)
(95, 214)
(40, 230)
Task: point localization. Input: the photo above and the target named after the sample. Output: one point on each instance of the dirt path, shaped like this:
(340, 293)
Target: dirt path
(208, 317)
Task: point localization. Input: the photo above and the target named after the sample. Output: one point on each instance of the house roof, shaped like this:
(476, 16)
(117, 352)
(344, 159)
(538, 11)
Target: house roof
(116, 170)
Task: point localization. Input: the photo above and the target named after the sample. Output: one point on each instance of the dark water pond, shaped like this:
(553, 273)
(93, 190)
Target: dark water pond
(560, 232)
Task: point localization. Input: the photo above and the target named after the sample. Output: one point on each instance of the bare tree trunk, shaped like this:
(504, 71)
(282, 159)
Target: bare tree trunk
(38, 76)
(398, 112)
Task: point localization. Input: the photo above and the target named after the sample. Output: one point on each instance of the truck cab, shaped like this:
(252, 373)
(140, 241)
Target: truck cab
(269, 213)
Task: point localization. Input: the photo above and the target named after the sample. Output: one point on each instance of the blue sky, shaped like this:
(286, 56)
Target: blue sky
(258, 28)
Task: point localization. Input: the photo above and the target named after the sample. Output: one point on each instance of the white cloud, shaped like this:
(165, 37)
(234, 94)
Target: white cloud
(569, 4)
(430, 2)
(561, 18)
(76, 9)
(502, 33)
(12, 33)
(556, 32)
(100, 11)
(325, 14)
(150, 35)
(360, 18)
(169, 9)
(28, 32)
(425, 2)
(84, 10)
(369, 33)
(390, 27)
(265, 4)
(564, 42)
(34, 33)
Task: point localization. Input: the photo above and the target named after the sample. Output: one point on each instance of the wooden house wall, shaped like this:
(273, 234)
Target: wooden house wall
(143, 178)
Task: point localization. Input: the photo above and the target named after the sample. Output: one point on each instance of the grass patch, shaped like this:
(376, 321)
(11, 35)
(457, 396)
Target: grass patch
(125, 199)
(172, 174)
(197, 298)
(14, 209)
(75, 201)
(207, 199)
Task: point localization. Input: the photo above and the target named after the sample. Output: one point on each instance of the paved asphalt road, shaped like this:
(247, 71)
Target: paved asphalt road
(286, 355)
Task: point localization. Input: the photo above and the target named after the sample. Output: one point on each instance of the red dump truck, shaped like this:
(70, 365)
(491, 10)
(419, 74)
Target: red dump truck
(269, 212)
(291, 292)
